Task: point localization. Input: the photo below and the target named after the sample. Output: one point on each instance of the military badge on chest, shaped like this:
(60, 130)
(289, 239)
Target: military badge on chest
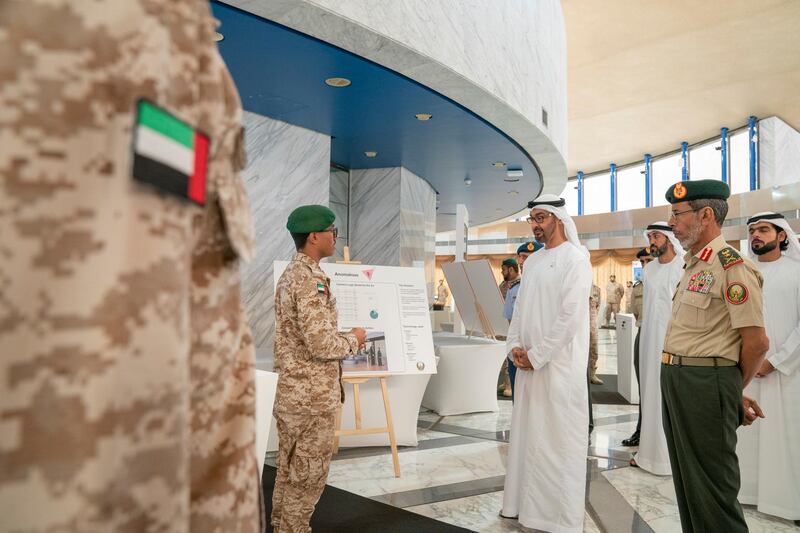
(701, 282)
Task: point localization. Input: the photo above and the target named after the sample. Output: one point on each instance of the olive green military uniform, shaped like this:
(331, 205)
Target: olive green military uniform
(127, 370)
(308, 354)
(720, 291)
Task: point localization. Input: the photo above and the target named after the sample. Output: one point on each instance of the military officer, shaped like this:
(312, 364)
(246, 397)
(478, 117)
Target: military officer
(510, 271)
(127, 369)
(714, 345)
(637, 303)
(594, 306)
(523, 252)
(308, 353)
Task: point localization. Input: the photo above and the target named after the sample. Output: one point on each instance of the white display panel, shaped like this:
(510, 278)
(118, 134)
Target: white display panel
(472, 284)
(391, 303)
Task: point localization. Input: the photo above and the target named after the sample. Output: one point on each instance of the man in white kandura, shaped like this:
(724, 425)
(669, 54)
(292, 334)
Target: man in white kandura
(548, 340)
(659, 280)
(769, 452)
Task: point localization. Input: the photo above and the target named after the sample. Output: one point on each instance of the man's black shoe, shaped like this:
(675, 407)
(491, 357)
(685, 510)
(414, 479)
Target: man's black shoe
(633, 441)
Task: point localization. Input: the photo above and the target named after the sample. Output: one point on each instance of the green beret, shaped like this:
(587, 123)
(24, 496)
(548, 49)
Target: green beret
(683, 191)
(510, 262)
(309, 218)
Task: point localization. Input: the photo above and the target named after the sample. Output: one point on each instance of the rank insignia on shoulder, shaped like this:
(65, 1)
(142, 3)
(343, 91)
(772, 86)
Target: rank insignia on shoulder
(169, 154)
(701, 282)
(729, 257)
(736, 293)
(705, 255)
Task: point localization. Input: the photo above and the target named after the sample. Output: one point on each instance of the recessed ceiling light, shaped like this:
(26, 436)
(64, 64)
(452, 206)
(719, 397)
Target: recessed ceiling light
(338, 82)
(218, 36)
(513, 192)
(499, 164)
(423, 116)
(514, 173)
(370, 153)
(467, 181)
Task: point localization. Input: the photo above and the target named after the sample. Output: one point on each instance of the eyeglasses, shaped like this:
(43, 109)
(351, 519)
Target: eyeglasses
(333, 230)
(676, 214)
(538, 218)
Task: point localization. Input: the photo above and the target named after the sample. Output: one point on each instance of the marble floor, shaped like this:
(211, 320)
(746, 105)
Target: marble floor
(457, 471)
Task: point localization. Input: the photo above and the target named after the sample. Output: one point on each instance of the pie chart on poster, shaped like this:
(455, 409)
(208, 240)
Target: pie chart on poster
(373, 314)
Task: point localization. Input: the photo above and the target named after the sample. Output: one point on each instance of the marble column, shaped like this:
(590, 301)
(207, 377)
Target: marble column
(393, 219)
(287, 166)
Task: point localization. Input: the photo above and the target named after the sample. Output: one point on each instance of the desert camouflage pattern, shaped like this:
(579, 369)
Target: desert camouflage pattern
(594, 305)
(308, 345)
(304, 458)
(637, 302)
(127, 368)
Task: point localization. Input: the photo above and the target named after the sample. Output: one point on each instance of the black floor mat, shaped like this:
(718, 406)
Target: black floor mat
(339, 510)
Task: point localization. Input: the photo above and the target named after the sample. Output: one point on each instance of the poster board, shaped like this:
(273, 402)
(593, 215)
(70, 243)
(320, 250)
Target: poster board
(471, 284)
(391, 303)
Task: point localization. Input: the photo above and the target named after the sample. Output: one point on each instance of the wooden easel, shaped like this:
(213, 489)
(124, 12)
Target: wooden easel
(356, 381)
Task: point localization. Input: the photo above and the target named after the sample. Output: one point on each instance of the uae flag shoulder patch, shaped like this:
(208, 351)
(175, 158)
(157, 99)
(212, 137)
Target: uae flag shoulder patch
(169, 154)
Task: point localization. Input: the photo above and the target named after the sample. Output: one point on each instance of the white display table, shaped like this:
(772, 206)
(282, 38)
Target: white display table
(466, 379)
(405, 397)
(266, 384)
(626, 380)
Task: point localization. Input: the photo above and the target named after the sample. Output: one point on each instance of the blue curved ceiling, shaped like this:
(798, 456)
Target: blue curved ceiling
(280, 73)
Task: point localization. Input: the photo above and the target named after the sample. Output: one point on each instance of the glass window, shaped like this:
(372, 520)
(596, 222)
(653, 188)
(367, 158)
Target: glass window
(666, 171)
(739, 157)
(630, 188)
(570, 194)
(597, 194)
(705, 161)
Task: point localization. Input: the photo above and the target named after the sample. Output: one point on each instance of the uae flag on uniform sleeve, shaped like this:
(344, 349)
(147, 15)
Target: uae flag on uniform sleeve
(169, 154)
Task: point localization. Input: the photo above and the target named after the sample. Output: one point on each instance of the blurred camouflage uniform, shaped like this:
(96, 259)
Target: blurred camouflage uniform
(126, 377)
(308, 354)
(594, 305)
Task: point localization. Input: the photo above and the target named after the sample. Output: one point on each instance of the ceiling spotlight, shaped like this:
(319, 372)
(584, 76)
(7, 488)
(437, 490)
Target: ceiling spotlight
(467, 181)
(423, 116)
(514, 173)
(499, 164)
(218, 36)
(514, 193)
(370, 154)
(338, 82)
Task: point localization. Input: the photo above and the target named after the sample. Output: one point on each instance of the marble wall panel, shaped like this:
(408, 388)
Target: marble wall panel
(287, 166)
(393, 219)
(778, 153)
(375, 215)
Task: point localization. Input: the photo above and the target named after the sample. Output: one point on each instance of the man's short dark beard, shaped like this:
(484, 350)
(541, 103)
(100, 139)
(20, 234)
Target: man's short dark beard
(658, 251)
(767, 248)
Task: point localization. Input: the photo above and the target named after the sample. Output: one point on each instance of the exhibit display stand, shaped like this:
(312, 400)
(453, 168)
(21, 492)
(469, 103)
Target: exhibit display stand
(356, 381)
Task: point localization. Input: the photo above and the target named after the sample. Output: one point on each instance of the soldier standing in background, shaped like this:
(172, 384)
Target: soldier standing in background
(637, 304)
(308, 354)
(614, 293)
(442, 293)
(594, 305)
(127, 368)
